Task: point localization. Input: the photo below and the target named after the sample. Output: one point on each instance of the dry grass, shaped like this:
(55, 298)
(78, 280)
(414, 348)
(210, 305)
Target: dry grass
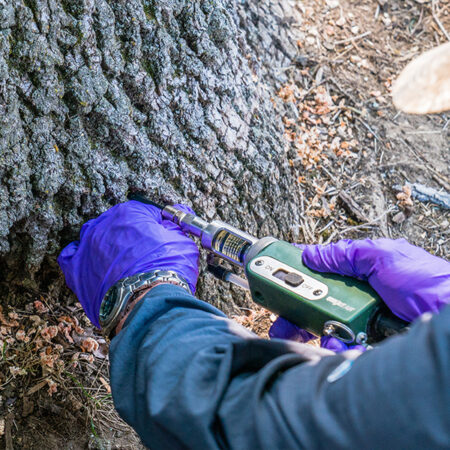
(48, 359)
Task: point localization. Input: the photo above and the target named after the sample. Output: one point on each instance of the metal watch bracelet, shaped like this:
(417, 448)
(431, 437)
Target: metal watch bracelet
(116, 299)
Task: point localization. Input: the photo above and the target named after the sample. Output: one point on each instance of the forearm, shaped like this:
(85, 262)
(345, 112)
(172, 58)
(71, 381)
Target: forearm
(175, 365)
(185, 376)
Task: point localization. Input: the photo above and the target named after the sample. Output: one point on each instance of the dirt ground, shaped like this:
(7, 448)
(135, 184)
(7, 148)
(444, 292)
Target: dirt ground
(356, 153)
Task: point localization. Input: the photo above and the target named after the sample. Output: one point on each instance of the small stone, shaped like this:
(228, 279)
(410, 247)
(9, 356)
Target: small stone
(340, 22)
(330, 30)
(399, 217)
(332, 4)
(364, 64)
(386, 19)
(355, 29)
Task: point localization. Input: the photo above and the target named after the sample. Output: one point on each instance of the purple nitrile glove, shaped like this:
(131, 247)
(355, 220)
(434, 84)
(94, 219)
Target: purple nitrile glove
(128, 239)
(284, 329)
(408, 279)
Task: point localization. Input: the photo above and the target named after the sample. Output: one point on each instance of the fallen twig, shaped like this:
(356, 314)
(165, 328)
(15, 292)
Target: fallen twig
(369, 129)
(353, 39)
(8, 435)
(438, 177)
(428, 194)
(418, 22)
(352, 207)
(436, 19)
(367, 224)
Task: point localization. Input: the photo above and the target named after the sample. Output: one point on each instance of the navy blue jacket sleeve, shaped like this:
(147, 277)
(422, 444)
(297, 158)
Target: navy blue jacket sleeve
(185, 376)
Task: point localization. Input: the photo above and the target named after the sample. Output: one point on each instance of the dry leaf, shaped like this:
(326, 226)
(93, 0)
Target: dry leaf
(21, 336)
(405, 197)
(89, 345)
(52, 387)
(286, 93)
(48, 333)
(17, 371)
(40, 307)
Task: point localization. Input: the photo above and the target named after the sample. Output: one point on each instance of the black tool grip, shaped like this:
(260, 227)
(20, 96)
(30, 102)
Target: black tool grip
(139, 197)
(218, 271)
(385, 323)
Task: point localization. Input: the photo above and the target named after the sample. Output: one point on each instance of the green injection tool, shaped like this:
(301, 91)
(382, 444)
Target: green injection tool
(320, 303)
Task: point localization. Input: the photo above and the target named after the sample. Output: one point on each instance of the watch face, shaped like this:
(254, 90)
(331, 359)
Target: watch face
(107, 305)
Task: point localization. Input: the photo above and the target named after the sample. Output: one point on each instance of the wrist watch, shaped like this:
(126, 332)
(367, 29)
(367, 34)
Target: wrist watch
(115, 301)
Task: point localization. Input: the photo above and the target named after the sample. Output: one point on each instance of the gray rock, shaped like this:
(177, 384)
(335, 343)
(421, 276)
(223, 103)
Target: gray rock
(171, 97)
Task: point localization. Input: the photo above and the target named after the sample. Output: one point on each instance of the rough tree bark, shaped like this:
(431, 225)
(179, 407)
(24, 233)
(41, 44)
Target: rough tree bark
(172, 97)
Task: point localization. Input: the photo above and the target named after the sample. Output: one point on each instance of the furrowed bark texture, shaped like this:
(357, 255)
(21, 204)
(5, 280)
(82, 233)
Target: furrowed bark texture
(171, 97)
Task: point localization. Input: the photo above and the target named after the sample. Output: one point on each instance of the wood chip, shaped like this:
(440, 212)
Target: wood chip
(352, 207)
(36, 387)
(105, 385)
(8, 435)
(27, 406)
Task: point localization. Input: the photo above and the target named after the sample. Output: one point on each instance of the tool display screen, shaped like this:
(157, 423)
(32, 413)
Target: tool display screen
(231, 246)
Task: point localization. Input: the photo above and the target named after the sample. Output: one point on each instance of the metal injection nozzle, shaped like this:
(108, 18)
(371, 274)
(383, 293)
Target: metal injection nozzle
(218, 237)
(189, 223)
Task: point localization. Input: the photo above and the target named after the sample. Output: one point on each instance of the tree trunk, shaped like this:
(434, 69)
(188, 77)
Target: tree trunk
(171, 97)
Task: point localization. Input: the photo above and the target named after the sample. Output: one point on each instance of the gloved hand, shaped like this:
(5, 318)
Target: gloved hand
(128, 239)
(409, 280)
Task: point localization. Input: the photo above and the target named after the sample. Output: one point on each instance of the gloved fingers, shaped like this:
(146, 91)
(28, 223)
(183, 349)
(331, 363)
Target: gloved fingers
(284, 329)
(150, 213)
(328, 258)
(68, 252)
(337, 346)
(65, 260)
(169, 225)
(360, 258)
(358, 347)
(124, 213)
(332, 343)
(87, 226)
(345, 257)
(163, 248)
(184, 208)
